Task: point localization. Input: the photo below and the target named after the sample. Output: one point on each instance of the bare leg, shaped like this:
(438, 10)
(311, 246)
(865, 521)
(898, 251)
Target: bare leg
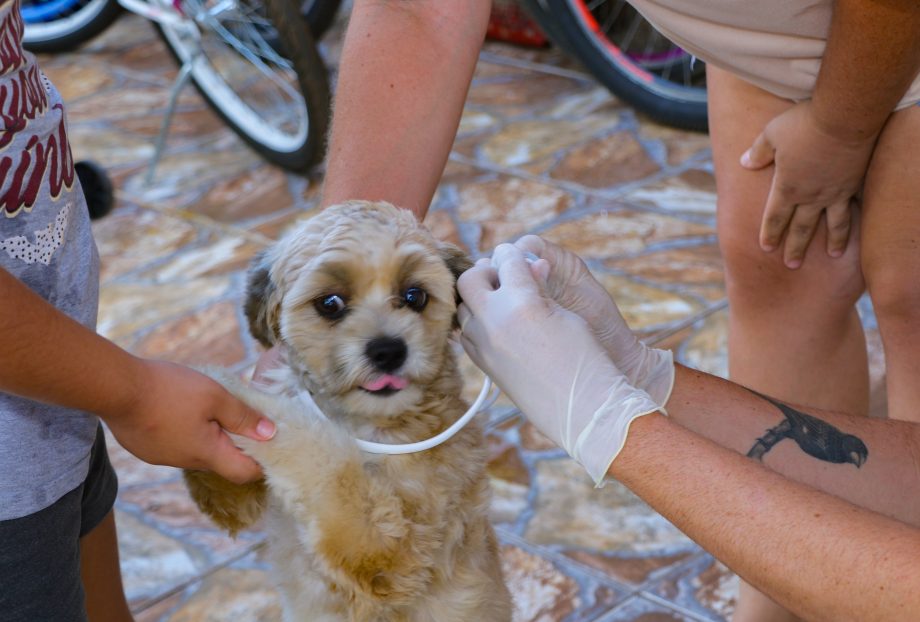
(891, 256)
(101, 573)
(794, 335)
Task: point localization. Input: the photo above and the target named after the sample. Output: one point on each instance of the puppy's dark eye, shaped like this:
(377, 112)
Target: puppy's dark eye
(331, 307)
(416, 298)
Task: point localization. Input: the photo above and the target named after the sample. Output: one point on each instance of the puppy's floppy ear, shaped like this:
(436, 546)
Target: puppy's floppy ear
(458, 262)
(263, 304)
(456, 259)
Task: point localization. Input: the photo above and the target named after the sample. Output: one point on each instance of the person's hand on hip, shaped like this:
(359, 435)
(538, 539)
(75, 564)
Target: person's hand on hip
(547, 360)
(816, 172)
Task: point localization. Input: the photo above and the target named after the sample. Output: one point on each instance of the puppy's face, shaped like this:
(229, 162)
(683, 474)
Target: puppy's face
(365, 299)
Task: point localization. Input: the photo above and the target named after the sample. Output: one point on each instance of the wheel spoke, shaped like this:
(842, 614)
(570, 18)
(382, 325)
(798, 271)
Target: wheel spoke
(627, 54)
(243, 74)
(612, 16)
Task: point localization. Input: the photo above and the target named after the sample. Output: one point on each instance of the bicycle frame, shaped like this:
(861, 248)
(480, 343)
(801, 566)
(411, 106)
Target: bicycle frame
(159, 11)
(167, 14)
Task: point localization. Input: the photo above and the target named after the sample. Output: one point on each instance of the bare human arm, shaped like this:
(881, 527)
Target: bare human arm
(868, 462)
(872, 463)
(854, 96)
(162, 413)
(406, 68)
(821, 148)
(817, 555)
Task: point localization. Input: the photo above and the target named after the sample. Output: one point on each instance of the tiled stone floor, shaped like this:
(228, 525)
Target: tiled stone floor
(541, 149)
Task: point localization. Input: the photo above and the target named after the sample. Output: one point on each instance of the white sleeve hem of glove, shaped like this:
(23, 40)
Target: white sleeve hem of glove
(659, 380)
(604, 437)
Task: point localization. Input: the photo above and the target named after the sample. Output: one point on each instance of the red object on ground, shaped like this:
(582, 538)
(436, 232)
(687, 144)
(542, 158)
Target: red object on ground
(510, 22)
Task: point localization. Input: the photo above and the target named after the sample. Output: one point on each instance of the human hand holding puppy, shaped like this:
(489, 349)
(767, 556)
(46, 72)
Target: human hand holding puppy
(160, 412)
(181, 418)
(548, 361)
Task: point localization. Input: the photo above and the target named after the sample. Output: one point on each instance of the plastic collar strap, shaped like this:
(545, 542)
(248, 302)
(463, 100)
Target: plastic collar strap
(411, 448)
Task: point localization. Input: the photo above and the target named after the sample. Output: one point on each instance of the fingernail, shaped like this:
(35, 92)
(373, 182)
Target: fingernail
(266, 429)
(746, 158)
(793, 264)
(836, 253)
(768, 248)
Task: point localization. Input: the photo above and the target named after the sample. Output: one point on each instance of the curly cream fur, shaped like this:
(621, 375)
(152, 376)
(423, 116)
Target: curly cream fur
(355, 536)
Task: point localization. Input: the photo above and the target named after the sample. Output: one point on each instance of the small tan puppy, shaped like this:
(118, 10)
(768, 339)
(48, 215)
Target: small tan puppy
(361, 299)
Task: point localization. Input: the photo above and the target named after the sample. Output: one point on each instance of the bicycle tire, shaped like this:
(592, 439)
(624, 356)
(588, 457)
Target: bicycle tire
(541, 14)
(293, 33)
(66, 25)
(677, 105)
(319, 15)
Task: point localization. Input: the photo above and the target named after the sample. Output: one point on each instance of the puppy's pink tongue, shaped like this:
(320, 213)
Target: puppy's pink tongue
(385, 381)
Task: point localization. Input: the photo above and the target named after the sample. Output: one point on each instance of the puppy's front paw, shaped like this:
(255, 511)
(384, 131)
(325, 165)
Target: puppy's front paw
(231, 506)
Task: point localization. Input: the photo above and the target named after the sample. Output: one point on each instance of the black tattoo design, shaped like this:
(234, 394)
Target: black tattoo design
(816, 438)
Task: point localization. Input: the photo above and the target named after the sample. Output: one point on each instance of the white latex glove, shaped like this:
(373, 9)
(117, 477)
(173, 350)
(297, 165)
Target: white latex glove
(569, 282)
(546, 359)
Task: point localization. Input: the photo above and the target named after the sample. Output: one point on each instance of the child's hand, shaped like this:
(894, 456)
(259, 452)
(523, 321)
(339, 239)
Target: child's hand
(178, 417)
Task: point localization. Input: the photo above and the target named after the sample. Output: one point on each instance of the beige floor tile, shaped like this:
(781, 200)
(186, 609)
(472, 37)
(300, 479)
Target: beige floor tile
(570, 512)
(507, 207)
(231, 595)
(125, 309)
(213, 336)
(695, 269)
(692, 191)
(543, 592)
(704, 586)
(130, 238)
(616, 231)
(256, 192)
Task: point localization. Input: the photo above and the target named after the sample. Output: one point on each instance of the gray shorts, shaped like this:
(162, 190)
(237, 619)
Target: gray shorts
(40, 553)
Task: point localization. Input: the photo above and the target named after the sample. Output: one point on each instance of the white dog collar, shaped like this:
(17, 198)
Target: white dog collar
(481, 403)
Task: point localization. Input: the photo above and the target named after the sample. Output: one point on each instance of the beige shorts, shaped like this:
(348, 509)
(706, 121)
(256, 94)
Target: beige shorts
(776, 45)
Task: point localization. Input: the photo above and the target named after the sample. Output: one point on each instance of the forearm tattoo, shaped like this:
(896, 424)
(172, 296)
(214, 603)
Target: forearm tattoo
(815, 437)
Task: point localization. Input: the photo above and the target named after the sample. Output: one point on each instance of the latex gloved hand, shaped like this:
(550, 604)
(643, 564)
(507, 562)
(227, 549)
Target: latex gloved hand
(547, 360)
(567, 280)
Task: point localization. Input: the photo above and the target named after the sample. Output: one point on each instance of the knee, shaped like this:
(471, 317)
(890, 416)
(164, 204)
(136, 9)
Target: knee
(894, 288)
(755, 277)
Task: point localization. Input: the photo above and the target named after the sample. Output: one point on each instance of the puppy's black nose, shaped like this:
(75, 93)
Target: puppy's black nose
(386, 353)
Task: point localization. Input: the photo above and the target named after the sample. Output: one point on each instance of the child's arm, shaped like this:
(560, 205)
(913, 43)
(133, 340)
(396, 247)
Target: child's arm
(162, 413)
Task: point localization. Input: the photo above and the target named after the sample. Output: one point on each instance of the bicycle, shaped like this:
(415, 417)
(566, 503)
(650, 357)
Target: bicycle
(628, 56)
(254, 62)
(63, 25)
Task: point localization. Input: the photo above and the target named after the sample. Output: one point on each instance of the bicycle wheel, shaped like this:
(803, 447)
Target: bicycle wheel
(319, 15)
(256, 64)
(547, 22)
(633, 60)
(61, 25)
